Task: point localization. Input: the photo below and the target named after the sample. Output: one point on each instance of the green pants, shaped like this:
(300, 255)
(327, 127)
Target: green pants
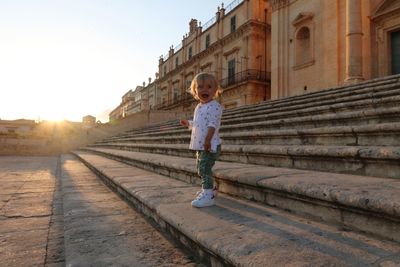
(205, 161)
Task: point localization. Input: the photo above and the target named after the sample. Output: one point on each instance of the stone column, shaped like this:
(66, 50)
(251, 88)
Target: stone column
(354, 70)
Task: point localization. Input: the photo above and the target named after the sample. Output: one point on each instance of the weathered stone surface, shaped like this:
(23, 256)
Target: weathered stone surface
(243, 233)
(285, 180)
(102, 230)
(28, 224)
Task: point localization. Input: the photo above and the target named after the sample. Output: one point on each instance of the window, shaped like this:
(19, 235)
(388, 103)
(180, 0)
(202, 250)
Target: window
(207, 41)
(164, 96)
(190, 53)
(188, 83)
(395, 49)
(165, 70)
(151, 101)
(303, 46)
(176, 62)
(233, 24)
(176, 93)
(231, 71)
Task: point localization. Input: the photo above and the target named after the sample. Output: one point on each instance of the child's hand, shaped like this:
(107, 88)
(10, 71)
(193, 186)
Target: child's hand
(207, 146)
(207, 141)
(184, 123)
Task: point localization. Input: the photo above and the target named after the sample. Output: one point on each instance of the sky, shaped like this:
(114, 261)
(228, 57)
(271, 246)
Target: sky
(65, 59)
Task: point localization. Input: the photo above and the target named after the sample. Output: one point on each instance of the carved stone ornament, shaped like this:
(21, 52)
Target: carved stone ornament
(385, 8)
(277, 4)
(302, 17)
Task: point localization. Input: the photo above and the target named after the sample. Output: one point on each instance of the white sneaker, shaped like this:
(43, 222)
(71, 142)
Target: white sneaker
(204, 199)
(215, 192)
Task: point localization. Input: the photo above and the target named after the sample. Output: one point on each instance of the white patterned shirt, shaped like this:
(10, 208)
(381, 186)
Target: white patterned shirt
(205, 116)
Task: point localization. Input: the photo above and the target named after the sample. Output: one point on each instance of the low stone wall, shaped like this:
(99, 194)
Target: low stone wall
(63, 142)
(23, 146)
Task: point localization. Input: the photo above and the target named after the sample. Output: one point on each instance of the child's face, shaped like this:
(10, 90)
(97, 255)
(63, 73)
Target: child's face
(206, 90)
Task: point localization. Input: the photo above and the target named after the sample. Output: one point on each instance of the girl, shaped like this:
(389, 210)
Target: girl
(205, 133)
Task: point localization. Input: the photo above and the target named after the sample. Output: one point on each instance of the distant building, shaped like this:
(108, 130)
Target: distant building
(136, 102)
(17, 126)
(130, 103)
(89, 120)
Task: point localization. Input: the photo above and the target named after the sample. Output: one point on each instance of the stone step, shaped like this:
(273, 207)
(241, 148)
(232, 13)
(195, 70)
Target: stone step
(237, 232)
(163, 126)
(368, 204)
(367, 90)
(381, 134)
(100, 229)
(360, 118)
(380, 161)
(318, 110)
(380, 94)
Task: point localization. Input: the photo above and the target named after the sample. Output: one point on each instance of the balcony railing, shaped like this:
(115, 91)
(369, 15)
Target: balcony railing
(209, 23)
(244, 76)
(177, 100)
(232, 5)
(247, 75)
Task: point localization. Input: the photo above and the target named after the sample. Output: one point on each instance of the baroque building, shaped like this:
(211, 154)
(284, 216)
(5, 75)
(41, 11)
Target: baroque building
(131, 103)
(318, 44)
(262, 50)
(233, 45)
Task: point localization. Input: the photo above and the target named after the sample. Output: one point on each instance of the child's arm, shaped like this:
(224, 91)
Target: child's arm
(186, 123)
(207, 141)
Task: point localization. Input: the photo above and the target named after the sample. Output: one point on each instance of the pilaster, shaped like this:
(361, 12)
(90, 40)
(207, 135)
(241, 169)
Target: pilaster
(354, 34)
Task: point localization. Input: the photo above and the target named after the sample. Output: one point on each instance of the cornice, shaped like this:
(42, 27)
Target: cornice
(231, 51)
(302, 17)
(251, 26)
(386, 8)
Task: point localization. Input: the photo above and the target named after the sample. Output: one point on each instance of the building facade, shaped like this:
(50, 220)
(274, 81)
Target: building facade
(270, 49)
(318, 44)
(131, 103)
(89, 120)
(232, 45)
(21, 126)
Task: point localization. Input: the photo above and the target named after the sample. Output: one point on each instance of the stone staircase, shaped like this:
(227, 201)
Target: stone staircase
(329, 158)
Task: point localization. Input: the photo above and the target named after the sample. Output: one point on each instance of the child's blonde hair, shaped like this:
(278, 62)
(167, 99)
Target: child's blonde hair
(200, 77)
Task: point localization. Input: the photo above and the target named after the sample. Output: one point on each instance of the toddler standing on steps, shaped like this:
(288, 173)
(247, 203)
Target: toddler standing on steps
(205, 133)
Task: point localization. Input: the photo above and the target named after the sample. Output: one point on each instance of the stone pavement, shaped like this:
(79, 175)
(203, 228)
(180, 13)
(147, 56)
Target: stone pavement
(55, 212)
(31, 229)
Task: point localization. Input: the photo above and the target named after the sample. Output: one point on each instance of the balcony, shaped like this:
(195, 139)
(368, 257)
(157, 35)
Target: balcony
(245, 76)
(231, 81)
(180, 99)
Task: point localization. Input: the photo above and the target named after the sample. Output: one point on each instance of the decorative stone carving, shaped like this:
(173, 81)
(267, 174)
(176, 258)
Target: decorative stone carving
(278, 4)
(386, 7)
(302, 17)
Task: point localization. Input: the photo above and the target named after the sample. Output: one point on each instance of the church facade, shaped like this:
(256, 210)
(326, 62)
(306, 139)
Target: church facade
(318, 44)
